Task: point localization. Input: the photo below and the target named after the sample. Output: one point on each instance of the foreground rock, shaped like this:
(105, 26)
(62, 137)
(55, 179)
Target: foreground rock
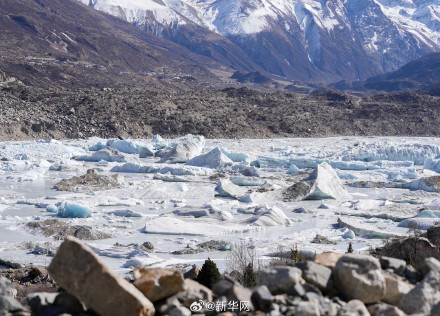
(360, 277)
(78, 270)
(158, 283)
(424, 296)
(333, 284)
(280, 279)
(8, 305)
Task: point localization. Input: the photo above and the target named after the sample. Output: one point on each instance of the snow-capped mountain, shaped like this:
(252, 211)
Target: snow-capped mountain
(298, 39)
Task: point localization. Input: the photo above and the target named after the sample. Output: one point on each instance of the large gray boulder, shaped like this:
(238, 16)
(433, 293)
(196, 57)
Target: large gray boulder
(360, 277)
(393, 264)
(78, 270)
(354, 308)
(317, 275)
(280, 279)
(9, 306)
(423, 296)
(262, 299)
(383, 309)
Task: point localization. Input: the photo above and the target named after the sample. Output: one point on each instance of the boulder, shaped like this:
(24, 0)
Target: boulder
(396, 265)
(280, 279)
(306, 309)
(428, 265)
(55, 304)
(184, 151)
(328, 259)
(317, 275)
(78, 270)
(383, 309)
(9, 306)
(423, 296)
(354, 308)
(360, 277)
(194, 292)
(180, 311)
(395, 289)
(158, 283)
(262, 299)
(233, 291)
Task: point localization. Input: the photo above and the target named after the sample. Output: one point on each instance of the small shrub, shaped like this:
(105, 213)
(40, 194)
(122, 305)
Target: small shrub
(209, 274)
(249, 277)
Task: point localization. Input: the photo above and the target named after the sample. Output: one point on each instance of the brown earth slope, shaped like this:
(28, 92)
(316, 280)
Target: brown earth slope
(54, 43)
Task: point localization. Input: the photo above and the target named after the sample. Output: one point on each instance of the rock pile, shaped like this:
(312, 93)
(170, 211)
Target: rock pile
(60, 230)
(332, 284)
(91, 181)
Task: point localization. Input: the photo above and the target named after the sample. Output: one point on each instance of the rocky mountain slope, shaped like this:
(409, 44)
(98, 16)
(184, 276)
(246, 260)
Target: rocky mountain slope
(129, 112)
(414, 75)
(421, 75)
(64, 43)
(313, 40)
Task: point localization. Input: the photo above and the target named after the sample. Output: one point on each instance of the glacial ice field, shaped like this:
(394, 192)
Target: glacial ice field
(179, 193)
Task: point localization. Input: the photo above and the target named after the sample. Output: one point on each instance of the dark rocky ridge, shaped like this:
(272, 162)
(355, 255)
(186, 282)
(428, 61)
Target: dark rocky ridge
(421, 75)
(27, 113)
(53, 43)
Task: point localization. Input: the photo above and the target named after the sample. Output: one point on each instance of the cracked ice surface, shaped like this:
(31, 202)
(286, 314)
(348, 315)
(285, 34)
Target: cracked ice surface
(175, 206)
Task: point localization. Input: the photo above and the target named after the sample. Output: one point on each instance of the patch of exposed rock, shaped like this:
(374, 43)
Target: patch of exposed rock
(91, 181)
(59, 230)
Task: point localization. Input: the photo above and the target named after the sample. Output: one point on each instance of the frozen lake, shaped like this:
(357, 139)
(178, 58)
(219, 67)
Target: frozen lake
(177, 205)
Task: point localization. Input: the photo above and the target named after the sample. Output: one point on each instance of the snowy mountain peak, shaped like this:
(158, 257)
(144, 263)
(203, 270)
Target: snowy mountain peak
(387, 32)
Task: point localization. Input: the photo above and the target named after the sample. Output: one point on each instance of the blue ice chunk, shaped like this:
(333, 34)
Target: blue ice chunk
(292, 169)
(228, 247)
(71, 210)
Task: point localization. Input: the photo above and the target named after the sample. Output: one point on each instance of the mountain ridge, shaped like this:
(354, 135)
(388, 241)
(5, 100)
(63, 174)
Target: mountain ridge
(310, 40)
